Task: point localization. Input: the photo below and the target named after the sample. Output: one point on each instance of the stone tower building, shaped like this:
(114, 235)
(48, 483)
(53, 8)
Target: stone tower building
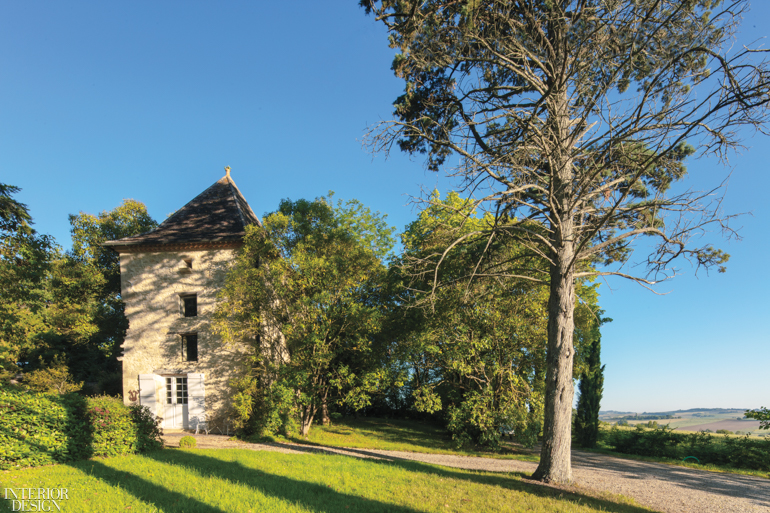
(170, 276)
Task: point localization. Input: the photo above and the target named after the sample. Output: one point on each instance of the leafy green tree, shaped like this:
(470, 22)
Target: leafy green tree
(475, 350)
(476, 347)
(89, 232)
(590, 391)
(578, 115)
(84, 317)
(53, 379)
(307, 291)
(24, 262)
(762, 414)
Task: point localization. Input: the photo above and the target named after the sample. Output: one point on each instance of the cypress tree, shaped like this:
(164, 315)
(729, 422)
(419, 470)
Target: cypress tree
(590, 389)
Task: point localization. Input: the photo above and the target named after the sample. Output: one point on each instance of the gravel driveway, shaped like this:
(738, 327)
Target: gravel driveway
(665, 488)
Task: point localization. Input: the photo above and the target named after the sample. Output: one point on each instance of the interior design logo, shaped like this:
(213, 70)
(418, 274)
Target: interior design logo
(36, 499)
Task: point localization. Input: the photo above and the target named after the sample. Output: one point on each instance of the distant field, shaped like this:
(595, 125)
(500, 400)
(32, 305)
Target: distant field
(730, 425)
(695, 419)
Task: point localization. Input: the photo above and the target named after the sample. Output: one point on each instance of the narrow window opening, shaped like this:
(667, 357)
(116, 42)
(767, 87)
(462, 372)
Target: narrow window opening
(185, 266)
(190, 305)
(190, 347)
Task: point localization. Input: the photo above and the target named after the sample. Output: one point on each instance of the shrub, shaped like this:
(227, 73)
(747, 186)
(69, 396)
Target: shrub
(40, 429)
(118, 429)
(52, 380)
(477, 420)
(188, 442)
(263, 411)
(736, 452)
(148, 431)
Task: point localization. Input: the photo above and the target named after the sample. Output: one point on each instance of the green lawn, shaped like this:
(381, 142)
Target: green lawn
(399, 435)
(218, 481)
(413, 436)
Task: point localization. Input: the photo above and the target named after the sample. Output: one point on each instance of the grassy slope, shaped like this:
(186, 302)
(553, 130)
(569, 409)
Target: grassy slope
(398, 435)
(214, 481)
(411, 436)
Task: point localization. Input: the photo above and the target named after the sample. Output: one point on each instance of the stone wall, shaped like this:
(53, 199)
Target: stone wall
(152, 284)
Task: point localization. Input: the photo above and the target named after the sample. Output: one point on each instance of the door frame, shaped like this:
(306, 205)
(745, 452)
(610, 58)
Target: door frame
(175, 401)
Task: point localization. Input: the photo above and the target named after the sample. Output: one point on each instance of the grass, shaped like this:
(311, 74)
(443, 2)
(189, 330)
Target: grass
(228, 480)
(413, 436)
(399, 435)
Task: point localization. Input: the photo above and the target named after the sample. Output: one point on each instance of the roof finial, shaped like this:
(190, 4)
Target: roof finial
(227, 168)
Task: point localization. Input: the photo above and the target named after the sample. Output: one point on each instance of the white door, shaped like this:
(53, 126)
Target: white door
(176, 403)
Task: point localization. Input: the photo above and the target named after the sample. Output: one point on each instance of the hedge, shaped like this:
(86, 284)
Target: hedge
(40, 429)
(737, 452)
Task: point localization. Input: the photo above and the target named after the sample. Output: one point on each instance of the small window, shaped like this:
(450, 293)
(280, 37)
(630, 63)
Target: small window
(185, 266)
(190, 305)
(190, 347)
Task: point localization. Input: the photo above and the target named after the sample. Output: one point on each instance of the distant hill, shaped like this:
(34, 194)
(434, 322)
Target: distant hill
(718, 411)
(694, 419)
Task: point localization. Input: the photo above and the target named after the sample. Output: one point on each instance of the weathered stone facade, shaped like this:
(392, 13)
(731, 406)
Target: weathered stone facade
(173, 362)
(153, 285)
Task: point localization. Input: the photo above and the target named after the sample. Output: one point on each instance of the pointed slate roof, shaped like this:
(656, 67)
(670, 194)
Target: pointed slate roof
(218, 215)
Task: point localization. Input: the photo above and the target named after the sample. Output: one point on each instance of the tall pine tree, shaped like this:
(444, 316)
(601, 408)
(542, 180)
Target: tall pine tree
(590, 389)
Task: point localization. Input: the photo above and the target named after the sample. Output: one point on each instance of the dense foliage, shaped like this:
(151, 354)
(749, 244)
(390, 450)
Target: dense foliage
(590, 391)
(39, 429)
(61, 315)
(474, 345)
(307, 293)
(662, 442)
(24, 264)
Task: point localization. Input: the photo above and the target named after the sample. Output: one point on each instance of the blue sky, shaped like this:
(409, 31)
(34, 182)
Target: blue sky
(101, 101)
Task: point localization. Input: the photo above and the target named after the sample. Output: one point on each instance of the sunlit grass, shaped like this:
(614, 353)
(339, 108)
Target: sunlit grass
(209, 481)
(399, 435)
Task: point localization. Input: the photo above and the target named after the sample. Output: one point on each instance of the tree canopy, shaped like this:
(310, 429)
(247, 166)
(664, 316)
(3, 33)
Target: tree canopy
(577, 115)
(24, 264)
(306, 291)
(61, 315)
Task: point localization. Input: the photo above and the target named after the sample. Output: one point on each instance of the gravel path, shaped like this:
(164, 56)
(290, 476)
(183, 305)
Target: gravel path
(665, 488)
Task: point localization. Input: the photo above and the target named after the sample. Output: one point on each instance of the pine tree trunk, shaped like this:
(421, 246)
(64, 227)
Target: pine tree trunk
(555, 457)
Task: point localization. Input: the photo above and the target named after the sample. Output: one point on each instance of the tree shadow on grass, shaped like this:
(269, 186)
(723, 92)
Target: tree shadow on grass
(321, 498)
(144, 490)
(313, 496)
